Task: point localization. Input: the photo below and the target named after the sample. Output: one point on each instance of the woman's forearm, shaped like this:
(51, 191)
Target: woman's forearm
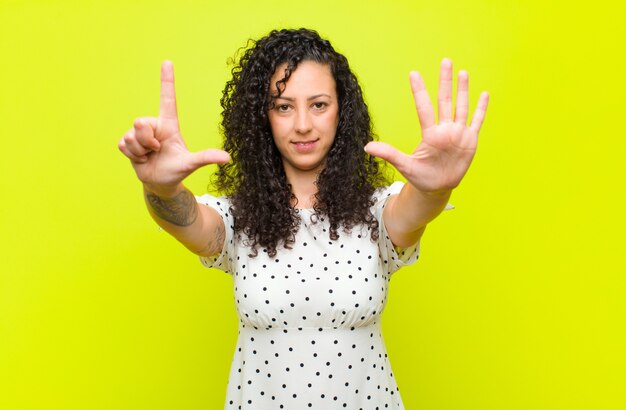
(407, 214)
(196, 226)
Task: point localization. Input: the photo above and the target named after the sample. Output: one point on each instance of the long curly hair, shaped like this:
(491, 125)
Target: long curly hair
(255, 180)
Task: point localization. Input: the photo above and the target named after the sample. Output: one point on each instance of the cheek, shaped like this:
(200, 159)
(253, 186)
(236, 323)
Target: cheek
(335, 117)
(334, 123)
(278, 127)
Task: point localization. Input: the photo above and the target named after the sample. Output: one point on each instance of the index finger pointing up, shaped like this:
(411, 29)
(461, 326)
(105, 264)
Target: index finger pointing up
(168, 93)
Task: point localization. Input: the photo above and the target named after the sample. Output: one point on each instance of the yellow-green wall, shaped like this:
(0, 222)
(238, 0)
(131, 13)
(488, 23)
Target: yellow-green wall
(518, 299)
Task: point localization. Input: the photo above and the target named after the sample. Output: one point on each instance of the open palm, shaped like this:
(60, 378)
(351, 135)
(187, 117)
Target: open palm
(446, 150)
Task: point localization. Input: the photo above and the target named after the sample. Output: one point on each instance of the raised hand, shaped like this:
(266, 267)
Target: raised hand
(445, 152)
(156, 148)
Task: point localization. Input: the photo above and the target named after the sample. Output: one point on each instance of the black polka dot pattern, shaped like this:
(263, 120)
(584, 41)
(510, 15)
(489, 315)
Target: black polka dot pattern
(309, 318)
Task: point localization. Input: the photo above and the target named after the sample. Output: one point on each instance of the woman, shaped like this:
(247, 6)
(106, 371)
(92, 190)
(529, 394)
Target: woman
(306, 228)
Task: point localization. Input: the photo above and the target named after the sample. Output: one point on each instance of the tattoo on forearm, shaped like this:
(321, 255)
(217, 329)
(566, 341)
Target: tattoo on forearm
(180, 210)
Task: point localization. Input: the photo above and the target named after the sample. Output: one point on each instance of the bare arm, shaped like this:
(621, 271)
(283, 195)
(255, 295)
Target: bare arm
(198, 227)
(161, 160)
(407, 214)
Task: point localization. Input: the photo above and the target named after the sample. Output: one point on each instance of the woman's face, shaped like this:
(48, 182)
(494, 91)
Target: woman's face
(304, 118)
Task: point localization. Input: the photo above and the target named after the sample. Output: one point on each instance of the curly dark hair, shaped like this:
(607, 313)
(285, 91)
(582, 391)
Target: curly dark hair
(255, 180)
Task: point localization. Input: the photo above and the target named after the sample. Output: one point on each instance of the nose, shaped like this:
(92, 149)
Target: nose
(303, 122)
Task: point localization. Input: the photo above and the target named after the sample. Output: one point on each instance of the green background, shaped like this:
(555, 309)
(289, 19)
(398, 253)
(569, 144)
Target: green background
(518, 299)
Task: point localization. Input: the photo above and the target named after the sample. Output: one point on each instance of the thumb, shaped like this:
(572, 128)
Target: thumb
(386, 152)
(206, 157)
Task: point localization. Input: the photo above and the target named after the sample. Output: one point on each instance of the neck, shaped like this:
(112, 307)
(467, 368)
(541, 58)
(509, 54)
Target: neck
(303, 186)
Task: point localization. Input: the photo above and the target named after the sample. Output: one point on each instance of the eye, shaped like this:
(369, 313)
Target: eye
(320, 105)
(282, 107)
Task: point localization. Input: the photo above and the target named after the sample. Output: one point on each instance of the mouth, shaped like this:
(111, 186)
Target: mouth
(304, 142)
(305, 145)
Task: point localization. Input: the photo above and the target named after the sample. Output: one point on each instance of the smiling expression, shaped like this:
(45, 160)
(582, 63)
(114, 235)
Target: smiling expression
(304, 118)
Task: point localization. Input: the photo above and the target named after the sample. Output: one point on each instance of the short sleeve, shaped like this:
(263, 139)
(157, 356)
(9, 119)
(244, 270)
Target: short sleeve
(393, 257)
(223, 261)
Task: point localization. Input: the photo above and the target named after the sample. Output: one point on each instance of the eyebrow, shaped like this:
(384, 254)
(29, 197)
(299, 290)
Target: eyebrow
(308, 99)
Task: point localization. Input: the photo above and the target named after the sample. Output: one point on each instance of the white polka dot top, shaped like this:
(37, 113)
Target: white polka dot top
(309, 318)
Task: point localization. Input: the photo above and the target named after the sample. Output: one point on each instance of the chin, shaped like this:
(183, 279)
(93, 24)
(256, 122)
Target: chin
(306, 166)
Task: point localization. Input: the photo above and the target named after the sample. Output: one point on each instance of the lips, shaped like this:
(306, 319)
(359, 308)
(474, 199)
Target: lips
(305, 146)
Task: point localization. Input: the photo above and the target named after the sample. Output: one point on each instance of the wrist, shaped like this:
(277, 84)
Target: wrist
(441, 194)
(164, 191)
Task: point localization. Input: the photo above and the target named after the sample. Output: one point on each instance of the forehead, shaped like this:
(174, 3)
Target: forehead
(308, 77)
